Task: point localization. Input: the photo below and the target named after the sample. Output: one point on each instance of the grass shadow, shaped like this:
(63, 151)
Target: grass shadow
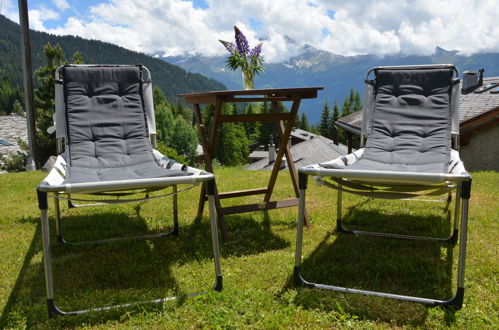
(415, 268)
(249, 236)
(91, 276)
(114, 273)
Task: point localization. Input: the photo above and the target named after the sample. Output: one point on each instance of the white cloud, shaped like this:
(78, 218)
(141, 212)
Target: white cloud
(379, 27)
(61, 4)
(37, 17)
(9, 10)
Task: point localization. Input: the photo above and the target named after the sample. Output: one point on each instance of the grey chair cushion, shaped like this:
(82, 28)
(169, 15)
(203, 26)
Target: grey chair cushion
(106, 127)
(411, 123)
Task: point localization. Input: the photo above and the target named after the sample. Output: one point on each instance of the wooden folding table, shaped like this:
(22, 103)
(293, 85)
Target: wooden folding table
(275, 95)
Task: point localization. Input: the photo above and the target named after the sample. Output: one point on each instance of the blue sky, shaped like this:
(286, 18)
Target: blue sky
(175, 27)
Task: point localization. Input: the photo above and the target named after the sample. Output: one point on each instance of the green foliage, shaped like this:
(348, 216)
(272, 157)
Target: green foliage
(184, 138)
(301, 122)
(351, 103)
(267, 128)
(345, 110)
(158, 97)
(207, 117)
(304, 125)
(325, 122)
(337, 135)
(17, 108)
(77, 58)
(15, 162)
(357, 104)
(45, 102)
(253, 65)
(174, 131)
(232, 147)
(164, 122)
(171, 153)
(252, 128)
(11, 98)
(179, 109)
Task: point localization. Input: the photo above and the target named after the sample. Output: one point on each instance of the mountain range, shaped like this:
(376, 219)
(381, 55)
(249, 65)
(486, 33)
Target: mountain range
(172, 79)
(336, 73)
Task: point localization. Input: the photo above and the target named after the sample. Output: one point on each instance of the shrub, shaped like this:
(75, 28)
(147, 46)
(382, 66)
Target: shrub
(15, 162)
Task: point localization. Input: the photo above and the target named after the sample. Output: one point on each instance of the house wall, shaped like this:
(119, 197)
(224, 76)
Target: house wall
(482, 152)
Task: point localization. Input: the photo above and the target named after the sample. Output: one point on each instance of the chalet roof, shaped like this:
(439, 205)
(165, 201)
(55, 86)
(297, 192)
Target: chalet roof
(259, 154)
(316, 150)
(475, 110)
(302, 134)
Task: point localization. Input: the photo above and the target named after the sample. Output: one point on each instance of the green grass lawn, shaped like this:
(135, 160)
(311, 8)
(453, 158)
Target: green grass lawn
(257, 262)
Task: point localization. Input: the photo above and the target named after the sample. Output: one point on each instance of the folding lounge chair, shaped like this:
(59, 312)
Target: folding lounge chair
(411, 123)
(105, 122)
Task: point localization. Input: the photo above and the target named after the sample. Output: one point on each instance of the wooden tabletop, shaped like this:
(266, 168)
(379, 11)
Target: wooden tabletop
(253, 95)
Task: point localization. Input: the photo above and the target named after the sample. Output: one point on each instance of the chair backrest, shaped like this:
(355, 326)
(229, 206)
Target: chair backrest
(369, 93)
(145, 94)
(104, 118)
(408, 115)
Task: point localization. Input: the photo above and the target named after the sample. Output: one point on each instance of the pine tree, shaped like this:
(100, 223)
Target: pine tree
(164, 123)
(207, 116)
(267, 128)
(252, 128)
(304, 125)
(45, 102)
(336, 134)
(324, 127)
(345, 110)
(174, 133)
(158, 96)
(357, 105)
(351, 100)
(10, 97)
(336, 113)
(77, 58)
(184, 138)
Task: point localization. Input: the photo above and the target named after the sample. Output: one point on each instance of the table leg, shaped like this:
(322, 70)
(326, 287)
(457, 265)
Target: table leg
(281, 129)
(284, 140)
(202, 200)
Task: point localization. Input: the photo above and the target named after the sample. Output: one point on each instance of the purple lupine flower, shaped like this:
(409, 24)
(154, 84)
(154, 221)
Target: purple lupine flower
(255, 52)
(231, 48)
(241, 42)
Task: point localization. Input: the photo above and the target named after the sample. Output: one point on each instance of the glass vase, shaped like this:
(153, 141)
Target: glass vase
(248, 80)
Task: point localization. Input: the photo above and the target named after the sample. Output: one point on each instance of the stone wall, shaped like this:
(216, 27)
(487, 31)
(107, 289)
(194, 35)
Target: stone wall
(482, 152)
(12, 127)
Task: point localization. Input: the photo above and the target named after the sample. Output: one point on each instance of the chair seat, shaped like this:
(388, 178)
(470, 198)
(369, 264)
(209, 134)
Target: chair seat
(78, 174)
(376, 166)
(355, 167)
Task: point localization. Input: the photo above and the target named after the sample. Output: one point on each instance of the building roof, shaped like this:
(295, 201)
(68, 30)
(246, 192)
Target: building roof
(259, 154)
(315, 150)
(475, 110)
(302, 134)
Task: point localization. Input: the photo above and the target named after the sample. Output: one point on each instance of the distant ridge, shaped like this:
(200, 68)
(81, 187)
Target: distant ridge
(172, 79)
